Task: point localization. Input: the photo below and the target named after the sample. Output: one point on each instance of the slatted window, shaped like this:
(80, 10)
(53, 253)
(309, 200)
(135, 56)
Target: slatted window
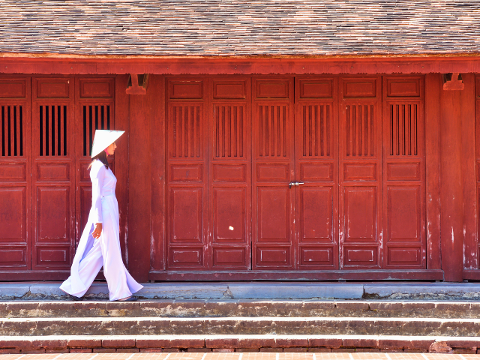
(272, 130)
(359, 130)
(53, 130)
(404, 129)
(316, 121)
(185, 132)
(12, 130)
(94, 117)
(229, 131)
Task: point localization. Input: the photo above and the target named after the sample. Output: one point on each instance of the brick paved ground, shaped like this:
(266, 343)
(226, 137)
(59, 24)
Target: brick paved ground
(240, 356)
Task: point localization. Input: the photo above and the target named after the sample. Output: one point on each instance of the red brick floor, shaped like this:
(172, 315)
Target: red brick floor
(239, 356)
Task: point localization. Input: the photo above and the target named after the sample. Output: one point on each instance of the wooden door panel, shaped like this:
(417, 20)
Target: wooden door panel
(187, 175)
(273, 206)
(316, 214)
(316, 160)
(229, 206)
(15, 167)
(187, 215)
(273, 164)
(360, 161)
(53, 172)
(230, 174)
(54, 212)
(404, 173)
(360, 208)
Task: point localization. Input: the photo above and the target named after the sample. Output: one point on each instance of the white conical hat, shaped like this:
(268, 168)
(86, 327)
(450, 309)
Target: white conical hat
(103, 139)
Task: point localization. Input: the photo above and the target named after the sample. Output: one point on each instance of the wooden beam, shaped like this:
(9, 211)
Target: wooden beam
(208, 65)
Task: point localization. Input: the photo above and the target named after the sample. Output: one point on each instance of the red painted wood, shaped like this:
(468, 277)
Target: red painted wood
(360, 167)
(227, 66)
(452, 197)
(121, 122)
(404, 173)
(274, 242)
(139, 177)
(53, 173)
(208, 174)
(15, 182)
(316, 164)
(229, 171)
(469, 172)
(159, 215)
(187, 175)
(432, 158)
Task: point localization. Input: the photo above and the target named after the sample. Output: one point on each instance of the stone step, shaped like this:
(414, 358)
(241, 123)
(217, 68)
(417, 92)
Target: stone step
(242, 308)
(202, 343)
(240, 326)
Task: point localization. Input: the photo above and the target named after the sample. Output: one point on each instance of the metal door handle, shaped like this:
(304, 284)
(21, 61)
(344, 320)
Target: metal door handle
(295, 183)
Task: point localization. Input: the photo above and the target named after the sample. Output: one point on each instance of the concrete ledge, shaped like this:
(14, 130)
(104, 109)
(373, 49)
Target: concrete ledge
(259, 290)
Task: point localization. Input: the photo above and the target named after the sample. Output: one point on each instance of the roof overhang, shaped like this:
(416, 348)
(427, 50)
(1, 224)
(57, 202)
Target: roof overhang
(191, 65)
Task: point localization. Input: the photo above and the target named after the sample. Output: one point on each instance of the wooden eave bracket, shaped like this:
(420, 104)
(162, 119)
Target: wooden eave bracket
(453, 82)
(137, 84)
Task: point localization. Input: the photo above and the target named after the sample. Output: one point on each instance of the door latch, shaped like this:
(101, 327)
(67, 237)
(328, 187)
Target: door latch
(295, 183)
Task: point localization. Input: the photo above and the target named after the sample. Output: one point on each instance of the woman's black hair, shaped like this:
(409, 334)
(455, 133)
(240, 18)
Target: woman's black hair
(102, 157)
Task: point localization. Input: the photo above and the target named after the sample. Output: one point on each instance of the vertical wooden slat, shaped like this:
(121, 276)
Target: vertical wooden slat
(415, 132)
(365, 132)
(235, 131)
(2, 132)
(328, 128)
(395, 130)
(284, 138)
(372, 131)
(180, 131)
(241, 132)
(217, 123)
(198, 134)
(44, 135)
(17, 130)
(186, 121)
(61, 136)
(360, 115)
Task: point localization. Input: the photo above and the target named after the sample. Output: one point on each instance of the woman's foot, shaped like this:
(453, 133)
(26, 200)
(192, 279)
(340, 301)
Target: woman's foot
(130, 298)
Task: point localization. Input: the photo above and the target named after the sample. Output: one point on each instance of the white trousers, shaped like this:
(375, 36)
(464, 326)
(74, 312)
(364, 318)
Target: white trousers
(104, 251)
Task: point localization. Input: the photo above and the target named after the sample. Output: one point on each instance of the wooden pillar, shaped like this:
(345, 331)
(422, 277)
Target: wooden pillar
(456, 111)
(139, 183)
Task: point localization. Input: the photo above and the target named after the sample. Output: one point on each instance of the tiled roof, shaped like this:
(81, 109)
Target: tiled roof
(240, 27)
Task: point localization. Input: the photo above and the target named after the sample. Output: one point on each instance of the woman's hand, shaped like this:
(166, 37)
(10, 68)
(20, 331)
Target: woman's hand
(97, 231)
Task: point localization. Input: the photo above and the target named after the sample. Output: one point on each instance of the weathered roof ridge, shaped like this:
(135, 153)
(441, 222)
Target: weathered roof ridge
(240, 27)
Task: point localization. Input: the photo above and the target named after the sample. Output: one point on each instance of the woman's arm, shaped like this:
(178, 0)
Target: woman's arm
(97, 175)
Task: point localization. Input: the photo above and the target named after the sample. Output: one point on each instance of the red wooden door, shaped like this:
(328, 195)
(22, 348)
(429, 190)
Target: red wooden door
(404, 173)
(15, 180)
(53, 173)
(274, 243)
(230, 174)
(208, 174)
(360, 167)
(187, 201)
(316, 167)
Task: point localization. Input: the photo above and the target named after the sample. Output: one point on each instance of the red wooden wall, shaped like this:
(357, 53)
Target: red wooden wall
(352, 149)
(47, 126)
(378, 167)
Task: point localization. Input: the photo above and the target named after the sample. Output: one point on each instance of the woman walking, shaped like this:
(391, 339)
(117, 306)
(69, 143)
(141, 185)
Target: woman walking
(100, 243)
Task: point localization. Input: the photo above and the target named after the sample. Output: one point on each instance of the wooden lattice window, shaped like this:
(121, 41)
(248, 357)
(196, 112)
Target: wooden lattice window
(94, 117)
(12, 130)
(403, 129)
(53, 130)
